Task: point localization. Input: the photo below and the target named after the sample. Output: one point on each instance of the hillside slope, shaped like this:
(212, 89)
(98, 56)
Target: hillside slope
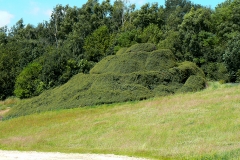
(201, 125)
(138, 73)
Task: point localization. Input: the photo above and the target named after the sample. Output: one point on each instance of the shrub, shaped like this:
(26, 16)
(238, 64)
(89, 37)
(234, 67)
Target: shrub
(28, 83)
(193, 83)
(160, 60)
(119, 78)
(186, 69)
(216, 71)
(148, 47)
(120, 64)
(130, 62)
(163, 90)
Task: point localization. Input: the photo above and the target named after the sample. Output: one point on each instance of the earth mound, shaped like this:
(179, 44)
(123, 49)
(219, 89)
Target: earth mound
(136, 73)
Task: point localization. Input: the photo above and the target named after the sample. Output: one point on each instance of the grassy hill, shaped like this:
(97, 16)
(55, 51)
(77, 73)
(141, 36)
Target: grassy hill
(201, 125)
(137, 73)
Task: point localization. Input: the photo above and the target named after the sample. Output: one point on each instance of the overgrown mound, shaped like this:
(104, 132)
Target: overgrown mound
(139, 72)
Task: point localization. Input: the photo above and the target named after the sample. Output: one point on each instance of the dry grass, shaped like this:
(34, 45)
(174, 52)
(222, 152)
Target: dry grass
(198, 125)
(9, 101)
(3, 112)
(5, 106)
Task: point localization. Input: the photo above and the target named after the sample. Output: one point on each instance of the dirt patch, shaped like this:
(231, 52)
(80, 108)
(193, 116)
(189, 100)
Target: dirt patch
(2, 112)
(13, 155)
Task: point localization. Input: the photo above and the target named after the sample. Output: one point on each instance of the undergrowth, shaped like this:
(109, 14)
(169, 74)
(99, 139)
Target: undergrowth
(137, 73)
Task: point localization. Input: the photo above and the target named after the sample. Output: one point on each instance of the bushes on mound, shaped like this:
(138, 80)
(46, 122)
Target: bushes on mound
(160, 60)
(129, 62)
(129, 76)
(194, 83)
(147, 47)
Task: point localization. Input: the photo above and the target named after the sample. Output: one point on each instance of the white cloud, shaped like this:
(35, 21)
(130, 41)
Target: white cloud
(5, 18)
(35, 9)
(48, 13)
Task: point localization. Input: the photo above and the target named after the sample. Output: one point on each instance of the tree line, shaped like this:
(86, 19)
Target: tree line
(37, 58)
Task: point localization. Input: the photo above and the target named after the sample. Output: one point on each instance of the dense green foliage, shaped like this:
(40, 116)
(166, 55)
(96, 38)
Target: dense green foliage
(27, 83)
(132, 75)
(76, 38)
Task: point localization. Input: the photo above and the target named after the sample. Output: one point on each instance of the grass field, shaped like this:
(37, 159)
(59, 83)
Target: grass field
(201, 125)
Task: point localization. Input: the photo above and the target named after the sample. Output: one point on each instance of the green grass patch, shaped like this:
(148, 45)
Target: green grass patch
(201, 125)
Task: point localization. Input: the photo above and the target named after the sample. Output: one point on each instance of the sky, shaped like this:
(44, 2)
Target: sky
(37, 11)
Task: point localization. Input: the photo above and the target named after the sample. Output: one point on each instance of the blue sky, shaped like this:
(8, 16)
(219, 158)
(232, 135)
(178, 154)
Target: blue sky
(36, 11)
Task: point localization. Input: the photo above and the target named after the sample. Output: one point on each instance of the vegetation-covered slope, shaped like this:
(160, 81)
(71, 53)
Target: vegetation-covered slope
(201, 125)
(37, 58)
(134, 75)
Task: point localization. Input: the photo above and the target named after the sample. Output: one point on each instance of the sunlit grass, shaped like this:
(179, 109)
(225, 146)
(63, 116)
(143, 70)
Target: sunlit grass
(198, 125)
(8, 102)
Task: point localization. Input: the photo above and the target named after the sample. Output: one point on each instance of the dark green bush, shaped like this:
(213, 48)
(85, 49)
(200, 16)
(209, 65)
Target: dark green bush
(163, 90)
(148, 47)
(160, 60)
(185, 70)
(130, 62)
(121, 64)
(194, 83)
(119, 78)
(216, 71)
(28, 83)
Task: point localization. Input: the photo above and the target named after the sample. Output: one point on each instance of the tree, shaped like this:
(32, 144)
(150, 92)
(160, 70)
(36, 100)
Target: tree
(149, 14)
(151, 34)
(231, 57)
(96, 44)
(3, 35)
(8, 70)
(173, 5)
(226, 20)
(28, 83)
(16, 30)
(118, 14)
(171, 40)
(198, 40)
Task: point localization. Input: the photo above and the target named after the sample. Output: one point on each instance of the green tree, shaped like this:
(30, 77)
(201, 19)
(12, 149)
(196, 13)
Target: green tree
(96, 44)
(149, 14)
(8, 71)
(231, 57)
(175, 10)
(3, 35)
(226, 18)
(151, 34)
(195, 31)
(226, 21)
(16, 30)
(28, 83)
(171, 40)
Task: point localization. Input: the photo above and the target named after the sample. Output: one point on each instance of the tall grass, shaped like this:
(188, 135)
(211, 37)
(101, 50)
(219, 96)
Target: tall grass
(201, 125)
(8, 103)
